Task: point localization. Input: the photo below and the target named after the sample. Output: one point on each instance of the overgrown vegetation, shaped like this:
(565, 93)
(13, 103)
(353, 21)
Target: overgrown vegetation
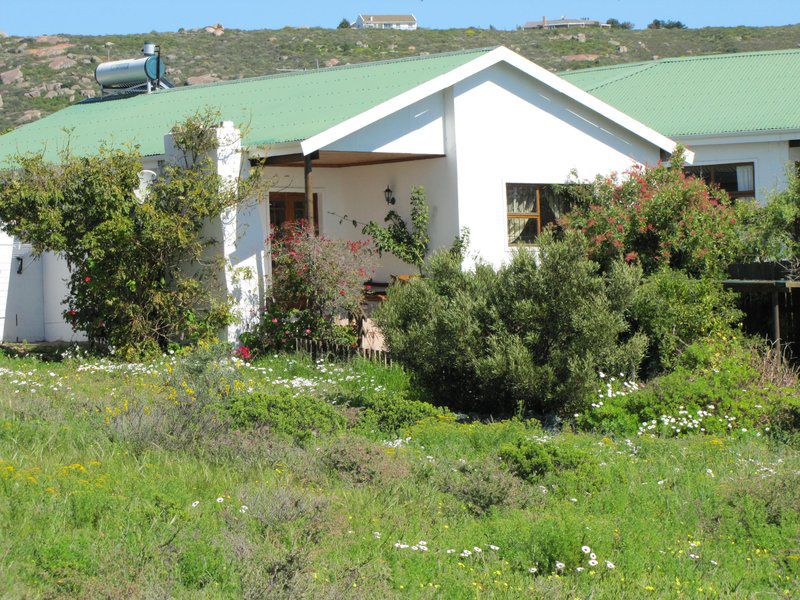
(657, 217)
(531, 336)
(141, 273)
(97, 502)
(317, 289)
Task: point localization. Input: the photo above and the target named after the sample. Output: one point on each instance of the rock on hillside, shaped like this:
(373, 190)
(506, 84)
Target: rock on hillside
(43, 74)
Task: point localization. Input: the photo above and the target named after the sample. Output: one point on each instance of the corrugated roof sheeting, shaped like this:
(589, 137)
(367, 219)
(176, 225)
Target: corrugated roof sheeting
(704, 95)
(272, 109)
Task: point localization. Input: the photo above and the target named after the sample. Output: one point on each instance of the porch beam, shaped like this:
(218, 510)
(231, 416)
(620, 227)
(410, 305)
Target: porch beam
(309, 186)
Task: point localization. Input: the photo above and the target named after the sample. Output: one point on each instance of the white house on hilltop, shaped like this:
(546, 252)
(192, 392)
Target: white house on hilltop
(564, 23)
(486, 132)
(403, 22)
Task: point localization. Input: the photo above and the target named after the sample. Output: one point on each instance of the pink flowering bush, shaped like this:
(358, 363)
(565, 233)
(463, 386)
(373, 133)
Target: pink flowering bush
(317, 288)
(657, 217)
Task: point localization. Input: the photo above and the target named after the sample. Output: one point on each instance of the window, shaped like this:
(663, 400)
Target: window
(531, 208)
(738, 179)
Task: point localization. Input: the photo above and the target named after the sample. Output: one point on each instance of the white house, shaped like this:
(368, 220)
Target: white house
(486, 132)
(404, 22)
(564, 23)
(737, 112)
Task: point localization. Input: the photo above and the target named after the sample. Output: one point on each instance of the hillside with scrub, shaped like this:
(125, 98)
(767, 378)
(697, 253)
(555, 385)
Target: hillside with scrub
(40, 75)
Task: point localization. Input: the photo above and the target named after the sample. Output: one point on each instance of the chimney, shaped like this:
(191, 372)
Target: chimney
(544, 21)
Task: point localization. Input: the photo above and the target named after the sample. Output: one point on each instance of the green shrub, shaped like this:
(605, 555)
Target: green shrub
(482, 485)
(315, 282)
(676, 310)
(716, 389)
(391, 413)
(531, 336)
(533, 459)
(657, 217)
(362, 462)
(129, 288)
(299, 417)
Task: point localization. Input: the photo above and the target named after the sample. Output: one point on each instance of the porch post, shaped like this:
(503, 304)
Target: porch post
(309, 187)
(776, 321)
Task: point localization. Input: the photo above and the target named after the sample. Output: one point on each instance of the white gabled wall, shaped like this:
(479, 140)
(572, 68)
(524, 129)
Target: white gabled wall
(416, 129)
(509, 128)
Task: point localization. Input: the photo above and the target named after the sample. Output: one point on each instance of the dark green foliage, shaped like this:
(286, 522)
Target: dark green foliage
(617, 24)
(129, 286)
(300, 417)
(666, 24)
(675, 310)
(529, 337)
(534, 459)
(409, 245)
(344, 24)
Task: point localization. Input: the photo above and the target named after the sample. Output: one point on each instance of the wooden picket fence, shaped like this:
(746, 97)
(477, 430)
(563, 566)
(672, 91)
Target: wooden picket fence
(323, 350)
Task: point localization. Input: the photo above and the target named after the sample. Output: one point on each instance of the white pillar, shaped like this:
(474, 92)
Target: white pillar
(239, 233)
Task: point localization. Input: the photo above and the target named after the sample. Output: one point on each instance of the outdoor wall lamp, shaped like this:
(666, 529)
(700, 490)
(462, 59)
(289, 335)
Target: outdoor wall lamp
(389, 195)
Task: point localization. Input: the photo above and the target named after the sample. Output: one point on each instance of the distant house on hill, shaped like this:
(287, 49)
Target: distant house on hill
(405, 22)
(563, 23)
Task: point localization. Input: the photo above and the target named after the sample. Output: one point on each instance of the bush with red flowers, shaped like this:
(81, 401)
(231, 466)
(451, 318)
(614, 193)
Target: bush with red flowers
(656, 217)
(317, 288)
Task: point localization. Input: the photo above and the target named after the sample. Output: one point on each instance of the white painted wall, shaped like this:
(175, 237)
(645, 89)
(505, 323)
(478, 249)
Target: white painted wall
(21, 310)
(509, 128)
(416, 129)
(770, 159)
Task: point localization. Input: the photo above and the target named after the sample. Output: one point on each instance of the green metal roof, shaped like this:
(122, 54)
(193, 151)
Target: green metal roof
(273, 109)
(703, 95)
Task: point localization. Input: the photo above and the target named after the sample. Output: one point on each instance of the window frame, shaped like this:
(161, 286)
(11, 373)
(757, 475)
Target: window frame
(711, 167)
(525, 215)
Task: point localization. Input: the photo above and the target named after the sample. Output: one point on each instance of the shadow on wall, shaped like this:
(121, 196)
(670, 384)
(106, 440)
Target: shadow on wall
(21, 293)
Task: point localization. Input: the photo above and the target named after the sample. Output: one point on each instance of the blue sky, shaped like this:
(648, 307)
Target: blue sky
(34, 17)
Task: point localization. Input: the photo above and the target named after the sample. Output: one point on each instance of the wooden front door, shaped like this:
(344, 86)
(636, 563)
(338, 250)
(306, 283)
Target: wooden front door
(287, 207)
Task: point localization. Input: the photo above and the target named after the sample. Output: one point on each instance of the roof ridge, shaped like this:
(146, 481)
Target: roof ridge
(641, 68)
(346, 67)
(669, 59)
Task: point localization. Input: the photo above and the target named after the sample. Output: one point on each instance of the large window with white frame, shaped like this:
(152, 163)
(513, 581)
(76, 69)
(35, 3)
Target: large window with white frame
(738, 179)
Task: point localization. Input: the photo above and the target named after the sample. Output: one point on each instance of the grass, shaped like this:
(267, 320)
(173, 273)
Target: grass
(93, 506)
(240, 53)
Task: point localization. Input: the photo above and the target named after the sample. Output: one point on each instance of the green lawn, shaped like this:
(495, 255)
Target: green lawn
(94, 506)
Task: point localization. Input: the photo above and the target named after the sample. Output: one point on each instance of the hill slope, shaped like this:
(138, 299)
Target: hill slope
(41, 75)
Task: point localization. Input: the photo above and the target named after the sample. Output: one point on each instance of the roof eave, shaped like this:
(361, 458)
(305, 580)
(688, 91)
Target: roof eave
(489, 59)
